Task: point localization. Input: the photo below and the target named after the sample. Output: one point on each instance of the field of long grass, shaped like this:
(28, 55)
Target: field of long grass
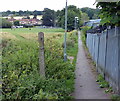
(20, 72)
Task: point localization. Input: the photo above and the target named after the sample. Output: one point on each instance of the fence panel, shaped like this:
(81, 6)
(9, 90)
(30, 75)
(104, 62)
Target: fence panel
(119, 60)
(97, 41)
(111, 72)
(102, 53)
(105, 51)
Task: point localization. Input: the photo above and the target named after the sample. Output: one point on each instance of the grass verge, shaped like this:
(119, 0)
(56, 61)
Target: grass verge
(20, 76)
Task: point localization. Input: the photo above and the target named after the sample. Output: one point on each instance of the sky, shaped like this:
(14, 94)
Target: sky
(31, 5)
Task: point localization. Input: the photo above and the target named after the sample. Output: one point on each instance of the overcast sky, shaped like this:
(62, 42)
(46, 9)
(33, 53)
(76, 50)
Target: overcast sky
(16, 5)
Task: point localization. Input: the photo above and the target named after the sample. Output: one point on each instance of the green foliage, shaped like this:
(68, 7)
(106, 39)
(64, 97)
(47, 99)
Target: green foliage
(21, 79)
(115, 98)
(83, 34)
(73, 50)
(21, 13)
(73, 12)
(109, 13)
(84, 17)
(48, 17)
(100, 78)
(35, 16)
(92, 13)
(4, 23)
(109, 90)
(71, 40)
(70, 43)
(102, 83)
(16, 23)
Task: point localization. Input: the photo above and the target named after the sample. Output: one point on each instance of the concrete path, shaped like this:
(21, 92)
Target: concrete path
(85, 82)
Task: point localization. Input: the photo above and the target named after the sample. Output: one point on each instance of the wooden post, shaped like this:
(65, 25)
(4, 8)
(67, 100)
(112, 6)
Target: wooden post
(41, 54)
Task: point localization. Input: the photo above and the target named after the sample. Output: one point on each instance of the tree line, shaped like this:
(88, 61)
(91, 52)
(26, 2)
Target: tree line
(57, 18)
(52, 18)
(21, 13)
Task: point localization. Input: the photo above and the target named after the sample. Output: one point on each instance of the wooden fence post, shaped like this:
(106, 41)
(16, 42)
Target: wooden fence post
(41, 54)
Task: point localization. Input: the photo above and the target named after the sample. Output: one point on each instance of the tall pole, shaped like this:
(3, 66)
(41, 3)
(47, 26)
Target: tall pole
(65, 36)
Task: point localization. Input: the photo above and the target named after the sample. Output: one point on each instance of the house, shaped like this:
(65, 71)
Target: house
(11, 20)
(30, 21)
(92, 23)
(26, 21)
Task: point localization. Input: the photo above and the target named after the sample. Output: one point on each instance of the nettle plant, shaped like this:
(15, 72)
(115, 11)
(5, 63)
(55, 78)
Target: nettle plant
(109, 13)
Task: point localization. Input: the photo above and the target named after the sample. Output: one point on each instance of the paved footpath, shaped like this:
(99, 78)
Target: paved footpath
(85, 82)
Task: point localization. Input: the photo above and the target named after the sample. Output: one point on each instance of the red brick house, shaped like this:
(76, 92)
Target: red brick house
(26, 21)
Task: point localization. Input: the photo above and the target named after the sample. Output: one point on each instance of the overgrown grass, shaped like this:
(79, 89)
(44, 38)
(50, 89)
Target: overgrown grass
(20, 76)
(84, 34)
(33, 30)
(115, 98)
(73, 49)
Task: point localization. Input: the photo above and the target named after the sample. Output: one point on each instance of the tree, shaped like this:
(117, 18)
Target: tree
(73, 12)
(28, 17)
(35, 16)
(37, 12)
(5, 24)
(21, 13)
(109, 13)
(48, 18)
(91, 12)
(16, 23)
(84, 17)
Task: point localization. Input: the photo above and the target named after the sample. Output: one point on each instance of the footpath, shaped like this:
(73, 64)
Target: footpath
(85, 81)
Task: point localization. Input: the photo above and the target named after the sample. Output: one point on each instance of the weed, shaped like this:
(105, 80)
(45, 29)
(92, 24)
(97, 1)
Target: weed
(21, 79)
(109, 90)
(115, 98)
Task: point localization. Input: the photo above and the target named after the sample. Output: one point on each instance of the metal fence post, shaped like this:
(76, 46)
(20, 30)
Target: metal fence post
(118, 59)
(106, 53)
(41, 54)
(98, 52)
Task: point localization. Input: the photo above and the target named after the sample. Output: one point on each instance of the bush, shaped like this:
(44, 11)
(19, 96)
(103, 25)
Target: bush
(84, 34)
(5, 24)
(17, 23)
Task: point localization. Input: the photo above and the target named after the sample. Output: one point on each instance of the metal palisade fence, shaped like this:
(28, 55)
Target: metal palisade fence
(105, 51)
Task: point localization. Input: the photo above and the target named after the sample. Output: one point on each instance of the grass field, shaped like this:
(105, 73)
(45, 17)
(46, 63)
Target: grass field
(22, 33)
(20, 72)
(32, 30)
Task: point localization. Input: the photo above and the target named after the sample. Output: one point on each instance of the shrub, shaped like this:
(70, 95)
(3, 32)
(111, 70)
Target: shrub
(84, 35)
(17, 23)
(4, 23)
